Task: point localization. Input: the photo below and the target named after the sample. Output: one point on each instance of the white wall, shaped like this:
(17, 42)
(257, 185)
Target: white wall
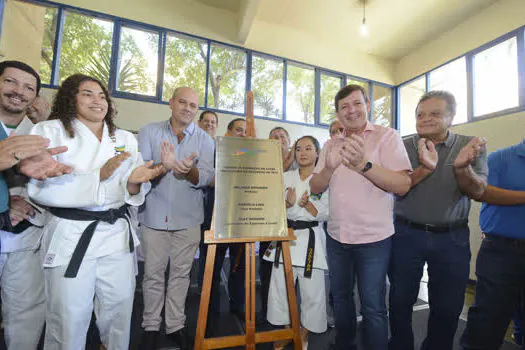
(22, 30)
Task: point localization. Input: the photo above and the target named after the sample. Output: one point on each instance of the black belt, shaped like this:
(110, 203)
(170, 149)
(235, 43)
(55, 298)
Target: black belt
(433, 228)
(520, 243)
(309, 259)
(5, 224)
(110, 216)
(5, 221)
(20, 227)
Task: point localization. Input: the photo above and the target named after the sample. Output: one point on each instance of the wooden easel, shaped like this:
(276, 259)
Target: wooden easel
(251, 337)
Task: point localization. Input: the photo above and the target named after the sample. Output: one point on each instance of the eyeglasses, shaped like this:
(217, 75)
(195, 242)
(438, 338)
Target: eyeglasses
(337, 130)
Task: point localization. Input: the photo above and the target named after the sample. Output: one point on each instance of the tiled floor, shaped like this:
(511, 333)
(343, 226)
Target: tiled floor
(230, 325)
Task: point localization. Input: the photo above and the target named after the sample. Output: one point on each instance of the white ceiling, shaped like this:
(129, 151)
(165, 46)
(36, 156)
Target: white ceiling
(231, 5)
(396, 27)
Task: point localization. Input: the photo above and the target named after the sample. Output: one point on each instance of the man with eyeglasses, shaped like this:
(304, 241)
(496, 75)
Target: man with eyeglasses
(431, 224)
(337, 130)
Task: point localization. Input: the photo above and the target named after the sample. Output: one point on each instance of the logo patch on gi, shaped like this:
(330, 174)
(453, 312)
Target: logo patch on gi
(315, 197)
(49, 259)
(120, 149)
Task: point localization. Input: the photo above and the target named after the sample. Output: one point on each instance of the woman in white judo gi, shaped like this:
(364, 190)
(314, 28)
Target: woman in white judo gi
(88, 241)
(304, 212)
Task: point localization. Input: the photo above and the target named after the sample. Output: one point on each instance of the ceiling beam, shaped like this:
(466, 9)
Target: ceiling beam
(247, 15)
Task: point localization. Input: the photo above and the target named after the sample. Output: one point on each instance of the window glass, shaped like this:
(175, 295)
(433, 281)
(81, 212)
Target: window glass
(382, 111)
(330, 85)
(227, 79)
(185, 65)
(496, 78)
(138, 61)
(452, 77)
(267, 86)
(409, 96)
(86, 47)
(48, 42)
(300, 94)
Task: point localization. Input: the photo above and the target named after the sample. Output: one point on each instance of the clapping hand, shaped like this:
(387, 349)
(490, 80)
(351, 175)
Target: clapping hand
(183, 167)
(303, 202)
(42, 165)
(428, 156)
(167, 155)
(353, 152)
(333, 155)
(18, 147)
(145, 173)
(113, 164)
(291, 197)
(470, 152)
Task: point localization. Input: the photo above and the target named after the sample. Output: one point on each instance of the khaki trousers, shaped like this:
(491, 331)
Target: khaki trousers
(160, 247)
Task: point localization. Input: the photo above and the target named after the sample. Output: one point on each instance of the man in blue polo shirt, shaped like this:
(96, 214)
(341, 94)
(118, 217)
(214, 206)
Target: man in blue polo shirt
(500, 266)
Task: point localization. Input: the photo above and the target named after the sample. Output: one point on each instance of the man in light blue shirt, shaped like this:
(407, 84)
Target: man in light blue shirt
(173, 213)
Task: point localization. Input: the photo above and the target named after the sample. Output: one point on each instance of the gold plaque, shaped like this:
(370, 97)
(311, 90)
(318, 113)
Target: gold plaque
(249, 189)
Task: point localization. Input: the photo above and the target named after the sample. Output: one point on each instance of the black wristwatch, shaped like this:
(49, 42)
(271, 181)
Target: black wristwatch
(367, 167)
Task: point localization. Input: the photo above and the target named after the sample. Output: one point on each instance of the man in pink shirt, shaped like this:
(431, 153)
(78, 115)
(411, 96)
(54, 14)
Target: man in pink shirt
(363, 171)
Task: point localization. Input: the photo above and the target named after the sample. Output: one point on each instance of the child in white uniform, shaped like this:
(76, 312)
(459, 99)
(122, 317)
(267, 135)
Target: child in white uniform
(88, 241)
(305, 213)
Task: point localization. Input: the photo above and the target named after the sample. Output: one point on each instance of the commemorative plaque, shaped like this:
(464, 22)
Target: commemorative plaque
(249, 193)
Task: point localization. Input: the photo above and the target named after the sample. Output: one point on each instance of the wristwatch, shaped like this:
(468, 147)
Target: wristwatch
(367, 167)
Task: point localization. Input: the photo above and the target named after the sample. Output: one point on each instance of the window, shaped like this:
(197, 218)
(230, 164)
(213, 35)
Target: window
(227, 79)
(267, 86)
(496, 78)
(86, 47)
(382, 102)
(138, 60)
(300, 94)
(330, 85)
(408, 99)
(453, 78)
(185, 65)
(219, 72)
(48, 42)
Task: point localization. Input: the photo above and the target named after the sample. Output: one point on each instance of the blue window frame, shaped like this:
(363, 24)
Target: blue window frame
(486, 95)
(159, 72)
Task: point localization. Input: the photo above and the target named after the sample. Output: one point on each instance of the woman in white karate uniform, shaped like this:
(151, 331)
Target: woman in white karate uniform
(305, 213)
(88, 241)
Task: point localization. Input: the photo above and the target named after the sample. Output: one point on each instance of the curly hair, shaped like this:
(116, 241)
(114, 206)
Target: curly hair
(65, 103)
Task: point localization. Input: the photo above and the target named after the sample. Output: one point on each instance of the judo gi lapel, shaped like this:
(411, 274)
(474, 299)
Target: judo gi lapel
(96, 152)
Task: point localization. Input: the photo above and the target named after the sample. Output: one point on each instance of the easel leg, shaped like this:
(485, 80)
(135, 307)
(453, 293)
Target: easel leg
(205, 297)
(250, 296)
(292, 301)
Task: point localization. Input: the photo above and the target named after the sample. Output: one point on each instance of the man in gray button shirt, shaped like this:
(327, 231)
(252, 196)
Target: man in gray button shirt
(173, 214)
(432, 224)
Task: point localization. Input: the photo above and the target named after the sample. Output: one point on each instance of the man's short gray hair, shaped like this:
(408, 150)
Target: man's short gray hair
(445, 96)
